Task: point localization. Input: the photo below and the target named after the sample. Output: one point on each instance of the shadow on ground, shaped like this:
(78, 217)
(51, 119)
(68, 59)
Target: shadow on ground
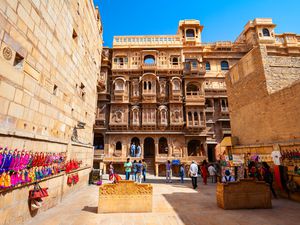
(91, 209)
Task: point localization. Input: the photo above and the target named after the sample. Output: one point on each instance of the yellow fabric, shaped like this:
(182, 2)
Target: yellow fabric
(226, 142)
(31, 175)
(7, 182)
(2, 180)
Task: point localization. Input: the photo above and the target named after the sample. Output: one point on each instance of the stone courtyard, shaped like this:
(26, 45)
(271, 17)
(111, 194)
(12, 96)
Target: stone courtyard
(173, 203)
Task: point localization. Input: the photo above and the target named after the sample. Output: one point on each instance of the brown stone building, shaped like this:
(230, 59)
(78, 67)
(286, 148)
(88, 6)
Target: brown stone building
(166, 93)
(50, 55)
(263, 91)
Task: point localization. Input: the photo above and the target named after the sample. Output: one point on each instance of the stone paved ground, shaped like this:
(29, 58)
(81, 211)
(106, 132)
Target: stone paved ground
(172, 204)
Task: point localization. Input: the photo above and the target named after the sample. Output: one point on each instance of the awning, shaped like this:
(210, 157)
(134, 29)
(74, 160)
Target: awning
(226, 142)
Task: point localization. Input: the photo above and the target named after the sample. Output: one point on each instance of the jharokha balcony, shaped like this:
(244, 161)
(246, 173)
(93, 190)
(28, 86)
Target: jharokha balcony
(195, 97)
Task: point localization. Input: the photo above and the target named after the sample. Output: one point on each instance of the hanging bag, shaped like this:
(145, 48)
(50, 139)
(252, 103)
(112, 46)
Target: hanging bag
(38, 192)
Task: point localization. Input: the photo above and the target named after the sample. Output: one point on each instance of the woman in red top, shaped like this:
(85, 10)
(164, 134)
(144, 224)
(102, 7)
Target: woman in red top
(204, 171)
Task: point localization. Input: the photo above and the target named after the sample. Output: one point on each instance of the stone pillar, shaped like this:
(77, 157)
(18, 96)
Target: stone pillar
(170, 150)
(156, 149)
(104, 168)
(156, 169)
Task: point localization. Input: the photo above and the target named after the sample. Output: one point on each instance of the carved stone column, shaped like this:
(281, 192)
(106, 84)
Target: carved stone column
(156, 169)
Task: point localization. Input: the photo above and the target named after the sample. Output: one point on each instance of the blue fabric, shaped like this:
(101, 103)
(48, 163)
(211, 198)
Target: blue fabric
(176, 162)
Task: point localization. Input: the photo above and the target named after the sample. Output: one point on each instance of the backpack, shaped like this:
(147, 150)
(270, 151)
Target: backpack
(229, 179)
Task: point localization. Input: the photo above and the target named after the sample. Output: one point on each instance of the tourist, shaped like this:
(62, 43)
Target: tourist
(227, 178)
(181, 173)
(132, 150)
(144, 169)
(268, 177)
(134, 170)
(139, 168)
(194, 173)
(168, 172)
(127, 166)
(204, 172)
(111, 172)
(138, 150)
(212, 173)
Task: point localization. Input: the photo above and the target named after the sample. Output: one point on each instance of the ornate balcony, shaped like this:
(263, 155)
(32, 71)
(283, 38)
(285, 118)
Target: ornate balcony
(147, 40)
(194, 68)
(147, 66)
(195, 124)
(194, 97)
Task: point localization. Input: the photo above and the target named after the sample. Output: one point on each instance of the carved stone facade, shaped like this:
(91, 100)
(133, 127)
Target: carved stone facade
(168, 93)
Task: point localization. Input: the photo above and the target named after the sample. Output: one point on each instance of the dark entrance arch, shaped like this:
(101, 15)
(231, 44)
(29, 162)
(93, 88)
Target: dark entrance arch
(194, 148)
(135, 140)
(163, 146)
(99, 141)
(149, 148)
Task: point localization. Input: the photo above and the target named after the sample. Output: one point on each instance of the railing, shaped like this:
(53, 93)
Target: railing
(194, 95)
(145, 123)
(147, 40)
(149, 65)
(209, 119)
(224, 109)
(190, 38)
(209, 109)
(163, 123)
(195, 124)
(118, 66)
(136, 123)
(119, 92)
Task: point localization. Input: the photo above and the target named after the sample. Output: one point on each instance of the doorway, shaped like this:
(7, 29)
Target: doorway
(149, 148)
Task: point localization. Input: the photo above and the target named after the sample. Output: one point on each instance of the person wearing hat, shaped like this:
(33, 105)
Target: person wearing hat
(194, 173)
(227, 177)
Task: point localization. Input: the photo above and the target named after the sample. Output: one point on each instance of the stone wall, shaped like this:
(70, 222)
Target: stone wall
(264, 109)
(50, 56)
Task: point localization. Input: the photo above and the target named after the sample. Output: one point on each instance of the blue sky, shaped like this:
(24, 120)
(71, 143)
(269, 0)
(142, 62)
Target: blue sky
(222, 19)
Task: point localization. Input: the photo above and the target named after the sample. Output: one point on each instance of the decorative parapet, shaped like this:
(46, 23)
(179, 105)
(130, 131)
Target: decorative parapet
(147, 40)
(125, 196)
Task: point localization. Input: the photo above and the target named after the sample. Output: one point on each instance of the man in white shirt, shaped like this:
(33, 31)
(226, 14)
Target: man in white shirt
(227, 178)
(194, 173)
(276, 155)
(212, 172)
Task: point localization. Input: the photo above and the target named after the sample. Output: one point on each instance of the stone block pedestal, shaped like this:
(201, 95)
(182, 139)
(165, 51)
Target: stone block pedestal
(125, 197)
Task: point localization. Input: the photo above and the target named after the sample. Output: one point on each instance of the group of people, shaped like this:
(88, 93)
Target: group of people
(136, 169)
(135, 150)
(194, 170)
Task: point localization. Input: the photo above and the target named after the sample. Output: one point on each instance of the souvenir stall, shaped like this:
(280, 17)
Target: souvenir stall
(19, 168)
(235, 164)
(290, 159)
(232, 162)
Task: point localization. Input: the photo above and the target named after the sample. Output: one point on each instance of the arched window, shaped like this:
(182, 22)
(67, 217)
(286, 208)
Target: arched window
(175, 61)
(149, 59)
(207, 66)
(145, 85)
(119, 85)
(149, 85)
(190, 33)
(189, 116)
(266, 32)
(195, 116)
(119, 145)
(176, 85)
(224, 65)
(163, 145)
(192, 87)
